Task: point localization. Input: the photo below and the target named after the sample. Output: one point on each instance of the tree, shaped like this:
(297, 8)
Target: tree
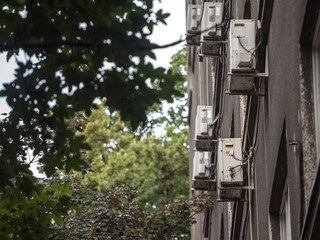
(156, 204)
(153, 165)
(114, 213)
(23, 217)
(75, 52)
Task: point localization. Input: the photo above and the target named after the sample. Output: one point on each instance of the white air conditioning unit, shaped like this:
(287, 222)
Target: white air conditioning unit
(212, 17)
(229, 168)
(193, 24)
(203, 132)
(200, 177)
(203, 119)
(211, 29)
(201, 161)
(242, 62)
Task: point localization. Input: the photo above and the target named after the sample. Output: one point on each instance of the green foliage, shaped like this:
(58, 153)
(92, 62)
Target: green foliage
(30, 218)
(76, 52)
(179, 62)
(175, 116)
(114, 213)
(152, 165)
(156, 204)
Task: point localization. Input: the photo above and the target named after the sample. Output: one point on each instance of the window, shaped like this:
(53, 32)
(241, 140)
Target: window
(316, 85)
(284, 215)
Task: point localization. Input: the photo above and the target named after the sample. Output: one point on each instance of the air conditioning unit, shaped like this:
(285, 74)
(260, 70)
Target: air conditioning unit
(200, 178)
(212, 17)
(201, 161)
(211, 29)
(242, 62)
(203, 132)
(229, 168)
(193, 24)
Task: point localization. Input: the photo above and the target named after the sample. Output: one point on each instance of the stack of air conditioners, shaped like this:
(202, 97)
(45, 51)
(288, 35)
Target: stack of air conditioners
(204, 147)
(230, 169)
(211, 29)
(242, 62)
(193, 25)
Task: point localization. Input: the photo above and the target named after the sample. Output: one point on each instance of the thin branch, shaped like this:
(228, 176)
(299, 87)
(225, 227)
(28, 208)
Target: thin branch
(34, 158)
(87, 45)
(156, 46)
(9, 47)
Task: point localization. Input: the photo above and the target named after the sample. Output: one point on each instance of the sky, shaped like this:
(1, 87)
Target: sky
(162, 34)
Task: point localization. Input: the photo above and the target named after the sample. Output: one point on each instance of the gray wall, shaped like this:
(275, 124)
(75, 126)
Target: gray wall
(284, 113)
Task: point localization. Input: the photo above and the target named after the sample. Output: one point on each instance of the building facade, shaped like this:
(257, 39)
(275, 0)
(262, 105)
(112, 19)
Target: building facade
(277, 119)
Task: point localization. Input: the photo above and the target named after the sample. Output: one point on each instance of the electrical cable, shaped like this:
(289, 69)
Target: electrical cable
(238, 166)
(235, 172)
(260, 37)
(221, 102)
(260, 40)
(257, 120)
(216, 129)
(253, 50)
(248, 50)
(229, 17)
(241, 160)
(250, 157)
(245, 226)
(249, 198)
(202, 12)
(251, 154)
(246, 133)
(207, 79)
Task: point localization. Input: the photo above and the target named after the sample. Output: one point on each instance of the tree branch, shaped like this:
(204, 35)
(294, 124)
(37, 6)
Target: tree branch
(156, 46)
(10, 47)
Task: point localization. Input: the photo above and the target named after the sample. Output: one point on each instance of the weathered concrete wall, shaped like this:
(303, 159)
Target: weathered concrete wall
(307, 120)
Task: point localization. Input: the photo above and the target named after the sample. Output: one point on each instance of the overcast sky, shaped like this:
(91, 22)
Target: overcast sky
(162, 34)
